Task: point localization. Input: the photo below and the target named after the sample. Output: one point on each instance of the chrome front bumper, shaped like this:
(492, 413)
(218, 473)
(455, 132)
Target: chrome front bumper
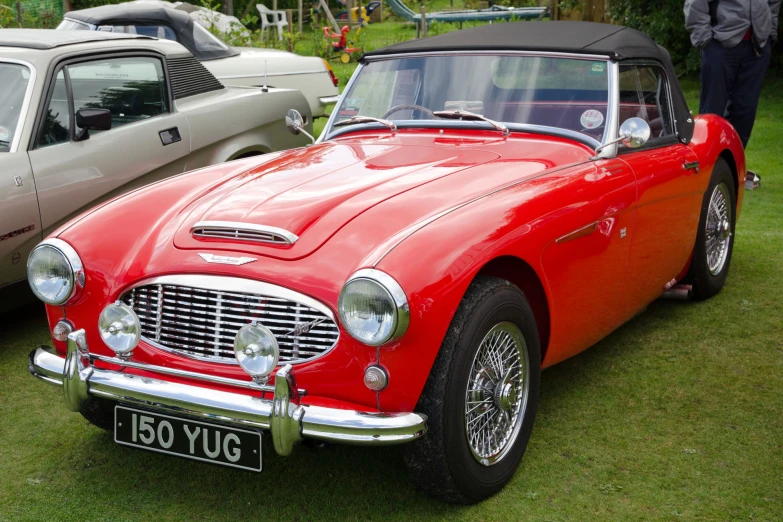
(287, 420)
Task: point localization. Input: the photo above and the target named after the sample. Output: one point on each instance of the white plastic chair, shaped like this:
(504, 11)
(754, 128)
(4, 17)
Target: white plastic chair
(278, 19)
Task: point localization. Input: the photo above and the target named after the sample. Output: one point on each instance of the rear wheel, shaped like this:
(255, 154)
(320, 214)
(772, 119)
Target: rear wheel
(481, 396)
(715, 238)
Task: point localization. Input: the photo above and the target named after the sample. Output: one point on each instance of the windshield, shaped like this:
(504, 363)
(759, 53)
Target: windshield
(13, 87)
(566, 93)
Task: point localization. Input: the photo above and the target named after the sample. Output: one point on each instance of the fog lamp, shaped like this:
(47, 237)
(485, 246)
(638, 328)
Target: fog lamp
(375, 378)
(120, 328)
(256, 350)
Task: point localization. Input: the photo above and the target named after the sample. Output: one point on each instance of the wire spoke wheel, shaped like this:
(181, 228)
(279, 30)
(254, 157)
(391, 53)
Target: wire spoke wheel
(496, 394)
(718, 228)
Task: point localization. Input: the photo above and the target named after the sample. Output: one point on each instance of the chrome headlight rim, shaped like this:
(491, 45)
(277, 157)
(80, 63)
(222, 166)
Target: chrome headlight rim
(397, 295)
(77, 276)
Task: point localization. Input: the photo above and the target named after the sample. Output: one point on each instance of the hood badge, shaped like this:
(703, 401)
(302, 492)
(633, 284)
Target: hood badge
(226, 260)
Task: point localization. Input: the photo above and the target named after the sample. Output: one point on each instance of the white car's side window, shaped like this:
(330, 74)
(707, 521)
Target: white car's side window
(57, 120)
(132, 88)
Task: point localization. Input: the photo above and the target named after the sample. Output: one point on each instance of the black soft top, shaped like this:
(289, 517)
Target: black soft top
(613, 41)
(134, 14)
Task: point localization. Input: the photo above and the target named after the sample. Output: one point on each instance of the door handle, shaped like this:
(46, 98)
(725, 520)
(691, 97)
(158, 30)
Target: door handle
(169, 136)
(691, 165)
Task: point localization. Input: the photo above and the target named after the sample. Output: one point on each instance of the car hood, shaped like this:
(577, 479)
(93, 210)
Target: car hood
(312, 193)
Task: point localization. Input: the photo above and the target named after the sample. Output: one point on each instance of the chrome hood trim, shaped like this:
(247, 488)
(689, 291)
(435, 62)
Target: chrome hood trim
(243, 232)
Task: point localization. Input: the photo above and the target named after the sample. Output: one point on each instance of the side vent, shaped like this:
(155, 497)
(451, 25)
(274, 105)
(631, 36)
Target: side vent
(229, 230)
(189, 77)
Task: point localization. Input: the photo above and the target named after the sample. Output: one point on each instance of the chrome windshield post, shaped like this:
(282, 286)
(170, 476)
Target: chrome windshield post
(608, 147)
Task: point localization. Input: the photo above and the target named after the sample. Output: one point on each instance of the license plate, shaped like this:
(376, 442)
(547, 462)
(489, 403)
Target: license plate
(187, 438)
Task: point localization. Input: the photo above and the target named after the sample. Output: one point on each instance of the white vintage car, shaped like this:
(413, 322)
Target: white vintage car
(246, 66)
(85, 116)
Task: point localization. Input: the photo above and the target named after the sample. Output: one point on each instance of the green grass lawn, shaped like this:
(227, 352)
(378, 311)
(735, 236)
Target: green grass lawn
(678, 415)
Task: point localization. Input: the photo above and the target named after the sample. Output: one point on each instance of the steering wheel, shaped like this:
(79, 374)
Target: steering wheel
(410, 107)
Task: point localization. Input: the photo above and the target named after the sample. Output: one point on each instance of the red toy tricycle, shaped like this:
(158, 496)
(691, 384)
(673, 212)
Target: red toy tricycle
(341, 46)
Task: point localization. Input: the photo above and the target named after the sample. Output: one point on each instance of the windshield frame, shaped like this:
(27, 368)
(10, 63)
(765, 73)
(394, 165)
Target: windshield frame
(610, 129)
(24, 109)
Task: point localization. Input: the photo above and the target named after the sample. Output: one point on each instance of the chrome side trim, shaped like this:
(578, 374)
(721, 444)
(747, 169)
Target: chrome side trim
(28, 96)
(576, 234)
(243, 231)
(287, 419)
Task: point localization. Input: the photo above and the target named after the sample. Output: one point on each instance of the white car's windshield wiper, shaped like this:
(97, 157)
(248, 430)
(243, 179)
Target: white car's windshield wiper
(470, 116)
(366, 119)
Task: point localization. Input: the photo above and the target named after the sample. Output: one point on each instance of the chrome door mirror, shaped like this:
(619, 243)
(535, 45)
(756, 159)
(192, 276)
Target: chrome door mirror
(634, 132)
(295, 123)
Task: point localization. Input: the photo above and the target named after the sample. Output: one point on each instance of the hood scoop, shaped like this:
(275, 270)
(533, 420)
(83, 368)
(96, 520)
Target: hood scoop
(246, 232)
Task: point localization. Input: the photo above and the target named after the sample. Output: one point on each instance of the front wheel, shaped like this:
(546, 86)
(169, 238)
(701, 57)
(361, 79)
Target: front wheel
(480, 398)
(715, 237)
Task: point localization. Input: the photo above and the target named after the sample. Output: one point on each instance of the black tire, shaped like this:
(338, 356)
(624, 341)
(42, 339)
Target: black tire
(705, 283)
(442, 463)
(99, 412)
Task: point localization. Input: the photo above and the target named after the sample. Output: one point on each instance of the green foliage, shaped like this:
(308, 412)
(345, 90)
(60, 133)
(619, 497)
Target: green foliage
(664, 22)
(7, 16)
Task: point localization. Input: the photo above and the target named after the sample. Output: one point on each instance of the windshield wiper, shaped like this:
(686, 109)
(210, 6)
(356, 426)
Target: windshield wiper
(366, 119)
(470, 116)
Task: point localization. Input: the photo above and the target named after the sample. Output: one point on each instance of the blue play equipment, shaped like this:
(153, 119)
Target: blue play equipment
(496, 12)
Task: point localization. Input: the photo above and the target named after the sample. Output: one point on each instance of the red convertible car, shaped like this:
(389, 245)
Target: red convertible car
(481, 205)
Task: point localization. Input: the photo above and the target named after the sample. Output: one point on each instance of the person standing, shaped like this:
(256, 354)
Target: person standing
(735, 38)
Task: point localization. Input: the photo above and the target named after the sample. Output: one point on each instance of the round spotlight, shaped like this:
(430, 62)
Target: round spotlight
(375, 378)
(120, 328)
(256, 350)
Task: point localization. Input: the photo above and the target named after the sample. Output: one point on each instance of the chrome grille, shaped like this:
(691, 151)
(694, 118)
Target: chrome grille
(202, 323)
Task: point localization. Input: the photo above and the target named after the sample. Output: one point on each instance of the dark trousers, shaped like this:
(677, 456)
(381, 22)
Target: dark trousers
(731, 81)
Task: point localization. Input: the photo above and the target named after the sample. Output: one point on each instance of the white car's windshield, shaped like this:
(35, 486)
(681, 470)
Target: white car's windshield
(13, 87)
(566, 93)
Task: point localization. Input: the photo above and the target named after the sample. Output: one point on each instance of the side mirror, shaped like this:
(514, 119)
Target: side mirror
(295, 123)
(634, 132)
(95, 119)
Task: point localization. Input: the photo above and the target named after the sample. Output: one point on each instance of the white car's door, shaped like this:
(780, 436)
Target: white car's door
(147, 140)
(20, 225)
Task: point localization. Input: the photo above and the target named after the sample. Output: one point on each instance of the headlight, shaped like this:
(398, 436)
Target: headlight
(373, 307)
(256, 350)
(120, 328)
(55, 272)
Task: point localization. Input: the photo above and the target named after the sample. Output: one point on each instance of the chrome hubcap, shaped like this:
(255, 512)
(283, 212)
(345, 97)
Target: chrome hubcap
(496, 394)
(718, 229)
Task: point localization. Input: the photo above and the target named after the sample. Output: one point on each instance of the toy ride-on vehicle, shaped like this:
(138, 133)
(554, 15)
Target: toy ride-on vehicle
(341, 47)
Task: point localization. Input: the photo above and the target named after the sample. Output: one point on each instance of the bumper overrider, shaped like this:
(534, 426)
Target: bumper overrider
(284, 416)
